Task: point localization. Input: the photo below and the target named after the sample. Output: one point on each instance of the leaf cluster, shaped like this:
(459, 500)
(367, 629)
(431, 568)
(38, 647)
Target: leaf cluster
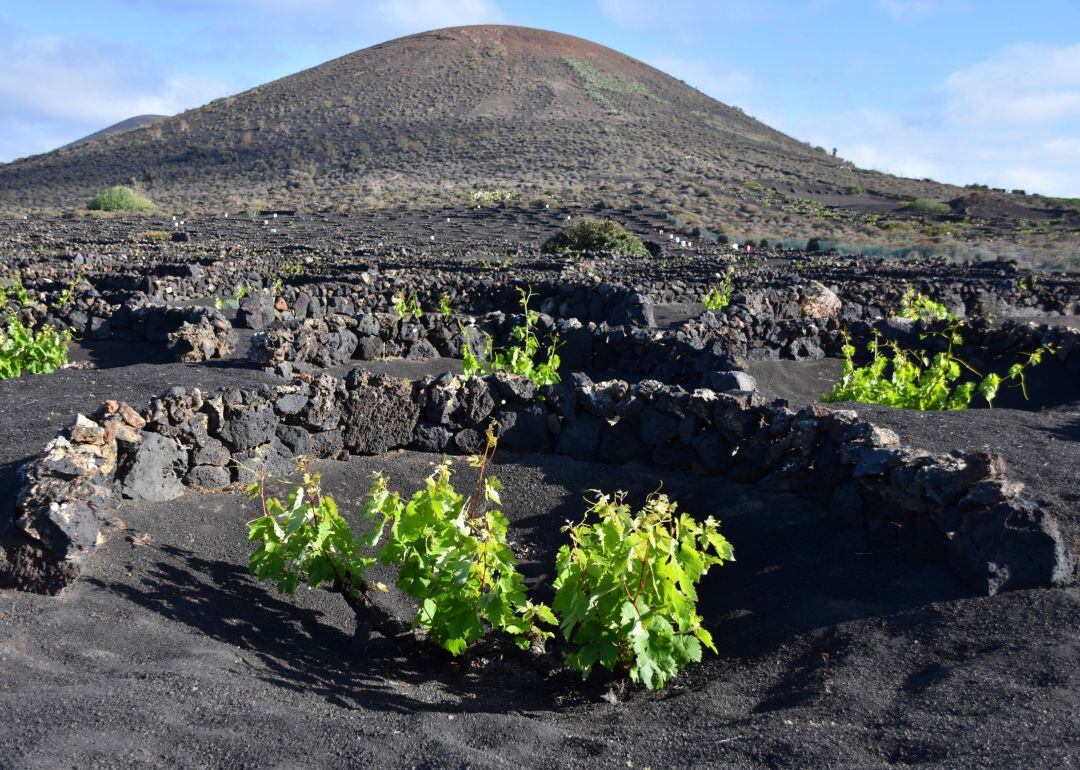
(24, 349)
(526, 356)
(454, 560)
(405, 305)
(305, 540)
(917, 380)
(916, 306)
(452, 557)
(233, 302)
(718, 297)
(625, 588)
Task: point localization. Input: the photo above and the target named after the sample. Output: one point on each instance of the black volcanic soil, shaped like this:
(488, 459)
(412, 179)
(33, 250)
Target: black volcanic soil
(832, 653)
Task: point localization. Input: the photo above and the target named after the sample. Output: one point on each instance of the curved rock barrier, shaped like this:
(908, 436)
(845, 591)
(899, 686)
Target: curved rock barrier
(959, 509)
(191, 333)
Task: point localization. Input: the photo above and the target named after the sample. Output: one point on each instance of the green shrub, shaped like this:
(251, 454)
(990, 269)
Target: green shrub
(719, 297)
(521, 358)
(152, 236)
(119, 199)
(590, 234)
(928, 206)
(915, 306)
(22, 349)
(917, 380)
(451, 555)
(625, 588)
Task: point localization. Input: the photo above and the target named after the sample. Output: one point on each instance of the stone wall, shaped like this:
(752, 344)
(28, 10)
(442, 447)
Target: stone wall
(959, 509)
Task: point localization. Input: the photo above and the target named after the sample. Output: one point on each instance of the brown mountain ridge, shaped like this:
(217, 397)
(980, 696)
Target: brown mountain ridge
(488, 111)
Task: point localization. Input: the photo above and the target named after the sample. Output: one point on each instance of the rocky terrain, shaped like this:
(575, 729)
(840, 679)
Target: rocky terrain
(508, 114)
(905, 591)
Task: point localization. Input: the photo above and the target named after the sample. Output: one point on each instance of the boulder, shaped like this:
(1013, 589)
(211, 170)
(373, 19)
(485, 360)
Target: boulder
(380, 414)
(1009, 546)
(734, 380)
(256, 311)
(153, 471)
(580, 437)
(247, 427)
(208, 477)
(819, 301)
(525, 430)
(421, 350)
(657, 427)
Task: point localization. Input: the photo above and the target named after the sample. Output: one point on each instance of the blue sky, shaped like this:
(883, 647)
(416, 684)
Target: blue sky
(958, 90)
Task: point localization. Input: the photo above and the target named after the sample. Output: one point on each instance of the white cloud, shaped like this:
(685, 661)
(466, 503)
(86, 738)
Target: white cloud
(423, 15)
(726, 84)
(912, 11)
(1010, 121)
(909, 10)
(54, 90)
(1019, 84)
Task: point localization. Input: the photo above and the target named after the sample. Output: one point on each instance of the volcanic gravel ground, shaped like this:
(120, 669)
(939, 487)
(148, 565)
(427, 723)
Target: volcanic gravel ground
(798, 382)
(832, 653)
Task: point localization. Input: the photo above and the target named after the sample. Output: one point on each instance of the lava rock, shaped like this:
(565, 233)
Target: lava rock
(380, 414)
(580, 437)
(208, 477)
(256, 311)
(525, 430)
(1010, 546)
(733, 380)
(657, 427)
(153, 472)
(248, 427)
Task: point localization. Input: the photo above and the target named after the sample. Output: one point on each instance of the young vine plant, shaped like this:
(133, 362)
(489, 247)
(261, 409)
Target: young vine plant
(718, 297)
(915, 306)
(24, 349)
(916, 380)
(450, 551)
(527, 356)
(625, 587)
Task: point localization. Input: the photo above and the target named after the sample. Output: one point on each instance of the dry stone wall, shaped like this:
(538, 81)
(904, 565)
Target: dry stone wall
(960, 509)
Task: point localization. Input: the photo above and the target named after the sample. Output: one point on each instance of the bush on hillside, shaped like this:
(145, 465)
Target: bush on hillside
(589, 234)
(119, 199)
(928, 206)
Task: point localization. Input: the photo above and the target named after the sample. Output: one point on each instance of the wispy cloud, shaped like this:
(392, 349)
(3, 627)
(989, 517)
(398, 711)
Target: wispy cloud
(52, 87)
(648, 14)
(1009, 121)
(728, 84)
(1020, 84)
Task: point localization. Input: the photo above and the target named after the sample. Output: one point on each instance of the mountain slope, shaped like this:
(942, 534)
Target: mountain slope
(118, 128)
(434, 117)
